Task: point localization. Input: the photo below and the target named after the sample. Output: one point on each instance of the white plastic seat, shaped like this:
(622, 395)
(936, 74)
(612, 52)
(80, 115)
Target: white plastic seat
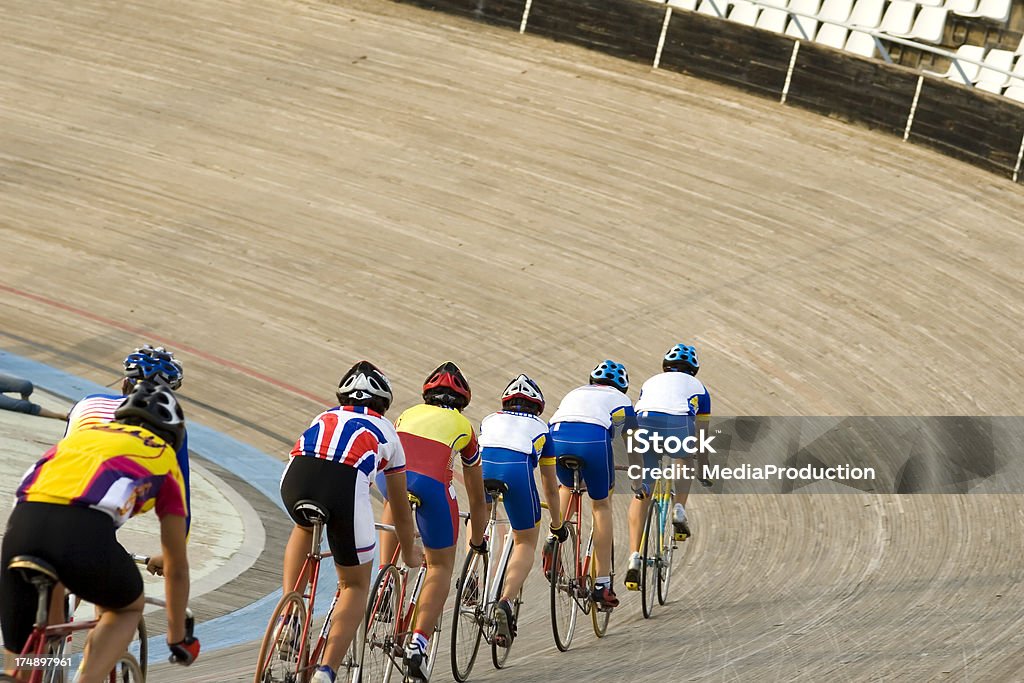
(997, 10)
(961, 6)
(867, 13)
(898, 19)
(970, 71)
(802, 28)
(684, 4)
(1015, 92)
(744, 12)
(772, 19)
(860, 43)
(832, 35)
(930, 25)
(714, 8)
(994, 81)
(835, 11)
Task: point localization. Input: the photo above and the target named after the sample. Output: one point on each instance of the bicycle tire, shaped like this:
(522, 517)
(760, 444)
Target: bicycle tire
(563, 588)
(275, 665)
(649, 550)
(127, 670)
(600, 617)
(668, 546)
(143, 635)
(499, 654)
(382, 612)
(467, 621)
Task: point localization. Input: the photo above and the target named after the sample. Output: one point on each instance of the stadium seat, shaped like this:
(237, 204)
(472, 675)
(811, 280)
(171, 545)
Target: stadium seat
(714, 8)
(993, 81)
(970, 71)
(772, 19)
(898, 19)
(930, 25)
(835, 11)
(867, 13)
(961, 6)
(997, 10)
(860, 43)
(832, 35)
(684, 4)
(809, 26)
(744, 12)
(1015, 92)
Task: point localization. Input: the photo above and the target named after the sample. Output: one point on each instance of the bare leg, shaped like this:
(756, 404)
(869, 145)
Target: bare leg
(349, 611)
(521, 561)
(436, 587)
(603, 536)
(388, 540)
(299, 545)
(637, 517)
(109, 640)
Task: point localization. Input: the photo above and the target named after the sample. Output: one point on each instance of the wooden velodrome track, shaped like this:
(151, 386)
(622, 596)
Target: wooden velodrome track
(278, 188)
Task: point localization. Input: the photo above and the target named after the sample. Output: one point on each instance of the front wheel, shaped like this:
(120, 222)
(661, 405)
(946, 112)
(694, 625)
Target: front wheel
(279, 652)
(563, 580)
(668, 544)
(127, 670)
(597, 615)
(467, 622)
(649, 550)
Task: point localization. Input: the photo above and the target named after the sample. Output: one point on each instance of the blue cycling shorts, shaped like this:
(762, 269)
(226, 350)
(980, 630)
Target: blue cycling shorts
(665, 425)
(522, 501)
(592, 444)
(438, 516)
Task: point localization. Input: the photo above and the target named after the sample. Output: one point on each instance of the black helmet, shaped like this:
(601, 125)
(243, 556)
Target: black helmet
(153, 405)
(365, 385)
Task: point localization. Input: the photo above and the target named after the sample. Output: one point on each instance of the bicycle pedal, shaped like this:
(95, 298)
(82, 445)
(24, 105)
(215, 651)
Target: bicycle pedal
(681, 536)
(632, 586)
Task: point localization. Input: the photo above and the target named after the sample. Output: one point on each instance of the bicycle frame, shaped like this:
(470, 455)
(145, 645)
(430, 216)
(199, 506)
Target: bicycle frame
(574, 516)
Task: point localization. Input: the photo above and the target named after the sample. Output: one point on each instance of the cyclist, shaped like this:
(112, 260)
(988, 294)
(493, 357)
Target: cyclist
(672, 403)
(331, 464)
(69, 507)
(513, 441)
(144, 363)
(585, 426)
(433, 434)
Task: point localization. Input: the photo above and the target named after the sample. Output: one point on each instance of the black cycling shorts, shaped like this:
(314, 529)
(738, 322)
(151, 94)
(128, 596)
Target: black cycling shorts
(345, 493)
(81, 544)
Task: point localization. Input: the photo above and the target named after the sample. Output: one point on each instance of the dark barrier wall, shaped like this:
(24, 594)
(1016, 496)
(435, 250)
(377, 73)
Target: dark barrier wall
(980, 128)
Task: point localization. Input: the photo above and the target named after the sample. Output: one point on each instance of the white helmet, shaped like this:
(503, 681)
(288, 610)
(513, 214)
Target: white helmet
(523, 392)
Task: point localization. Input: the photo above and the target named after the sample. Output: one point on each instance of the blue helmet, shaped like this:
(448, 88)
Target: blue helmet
(147, 363)
(612, 374)
(682, 358)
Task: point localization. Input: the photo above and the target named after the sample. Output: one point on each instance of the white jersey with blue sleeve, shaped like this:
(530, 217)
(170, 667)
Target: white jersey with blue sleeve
(520, 432)
(674, 393)
(597, 404)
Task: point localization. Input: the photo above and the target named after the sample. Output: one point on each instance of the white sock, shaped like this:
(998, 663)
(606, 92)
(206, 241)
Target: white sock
(603, 581)
(679, 511)
(635, 556)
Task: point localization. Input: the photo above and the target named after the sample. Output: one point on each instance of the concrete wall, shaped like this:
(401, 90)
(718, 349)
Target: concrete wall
(980, 128)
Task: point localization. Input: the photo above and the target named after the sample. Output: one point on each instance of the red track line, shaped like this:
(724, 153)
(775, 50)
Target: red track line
(163, 340)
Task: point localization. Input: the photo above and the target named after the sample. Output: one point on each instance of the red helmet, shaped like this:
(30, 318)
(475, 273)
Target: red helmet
(447, 386)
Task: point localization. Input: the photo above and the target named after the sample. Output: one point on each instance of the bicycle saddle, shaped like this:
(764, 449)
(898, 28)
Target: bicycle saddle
(571, 461)
(495, 487)
(311, 511)
(32, 568)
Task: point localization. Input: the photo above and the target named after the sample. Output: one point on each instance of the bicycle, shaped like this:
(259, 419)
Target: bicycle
(474, 607)
(572, 581)
(391, 613)
(657, 548)
(285, 655)
(47, 643)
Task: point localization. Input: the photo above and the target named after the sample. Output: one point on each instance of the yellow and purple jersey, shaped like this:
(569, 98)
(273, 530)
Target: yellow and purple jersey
(122, 470)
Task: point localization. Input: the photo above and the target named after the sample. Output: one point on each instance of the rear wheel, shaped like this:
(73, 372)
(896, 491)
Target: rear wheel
(278, 661)
(143, 636)
(668, 544)
(499, 653)
(467, 622)
(381, 614)
(563, 589)
(649, 558)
